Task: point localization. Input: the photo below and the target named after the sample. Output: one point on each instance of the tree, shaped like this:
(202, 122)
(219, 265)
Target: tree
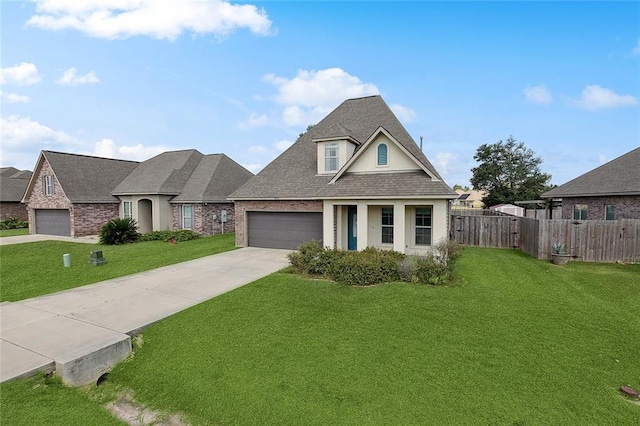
(509, 172)
(458, 186)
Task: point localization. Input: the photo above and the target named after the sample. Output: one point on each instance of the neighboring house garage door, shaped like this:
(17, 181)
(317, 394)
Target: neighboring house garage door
(53, 222)
(283, 230)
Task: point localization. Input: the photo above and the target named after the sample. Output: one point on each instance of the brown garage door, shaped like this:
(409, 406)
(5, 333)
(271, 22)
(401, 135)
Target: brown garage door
(53, 222)
(283, 230)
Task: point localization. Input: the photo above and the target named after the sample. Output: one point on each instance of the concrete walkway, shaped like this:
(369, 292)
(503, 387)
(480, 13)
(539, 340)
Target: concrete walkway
(29, 238)
(81, 333)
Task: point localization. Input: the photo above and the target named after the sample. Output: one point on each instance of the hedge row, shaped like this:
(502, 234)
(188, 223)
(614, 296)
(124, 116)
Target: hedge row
(374, 266)
(13, 223)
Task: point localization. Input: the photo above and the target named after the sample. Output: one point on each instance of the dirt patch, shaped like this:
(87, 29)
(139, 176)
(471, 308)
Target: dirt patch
(131, 412)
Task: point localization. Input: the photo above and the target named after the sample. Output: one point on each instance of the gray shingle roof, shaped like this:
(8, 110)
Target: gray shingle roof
(87, 179)
(214, 178)
(13, 184)
(294, 173)
(620, 176)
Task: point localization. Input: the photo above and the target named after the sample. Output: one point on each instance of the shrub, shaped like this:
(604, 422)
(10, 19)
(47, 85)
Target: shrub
(13, 223)
(309, 258)
(408, 269)
(367, 267)
(119, 231)
(178, 236)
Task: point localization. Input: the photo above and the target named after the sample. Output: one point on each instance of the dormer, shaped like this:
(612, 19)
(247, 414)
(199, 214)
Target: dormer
(334, 148)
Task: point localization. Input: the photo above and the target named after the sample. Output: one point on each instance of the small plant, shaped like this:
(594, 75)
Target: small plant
(13, 223)
(119, 231)
(558, 248)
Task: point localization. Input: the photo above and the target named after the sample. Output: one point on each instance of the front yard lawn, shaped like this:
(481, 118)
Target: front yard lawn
(13, 232)
(34, 269)
(521, 342)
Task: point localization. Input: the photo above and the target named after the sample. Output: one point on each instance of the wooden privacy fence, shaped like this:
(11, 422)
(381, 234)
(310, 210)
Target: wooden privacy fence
(588, 241)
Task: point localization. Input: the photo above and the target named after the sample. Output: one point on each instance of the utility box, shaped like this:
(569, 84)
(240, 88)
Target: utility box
(97, 258)
(223, 216)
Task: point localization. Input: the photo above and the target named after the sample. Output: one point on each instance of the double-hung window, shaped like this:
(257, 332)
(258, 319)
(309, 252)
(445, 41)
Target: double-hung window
(126, 209)
(423, 226)
(47, 185)
(187, 216)
(331, 157)
(610, 212)
(387, 225)
(580, 212)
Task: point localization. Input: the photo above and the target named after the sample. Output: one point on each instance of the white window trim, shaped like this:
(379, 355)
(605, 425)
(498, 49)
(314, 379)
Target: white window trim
(124, 209)
(182, 217)
(415, 227)
(605, 211)
(382, 226)
(581, 207)
(378, 155)
(48, 185)
(327, 147)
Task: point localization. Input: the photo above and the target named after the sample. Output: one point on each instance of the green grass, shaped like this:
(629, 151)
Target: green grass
(520, 342)
(34, 269)
(13, 232)
(45, 401)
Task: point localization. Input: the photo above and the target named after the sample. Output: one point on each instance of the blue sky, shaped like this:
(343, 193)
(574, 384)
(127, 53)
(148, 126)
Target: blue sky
(132, 78)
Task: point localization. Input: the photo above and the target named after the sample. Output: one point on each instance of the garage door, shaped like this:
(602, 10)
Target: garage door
(53, 222)
(283, 230)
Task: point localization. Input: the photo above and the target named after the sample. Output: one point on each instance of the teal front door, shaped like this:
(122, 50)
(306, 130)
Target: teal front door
(352, 228)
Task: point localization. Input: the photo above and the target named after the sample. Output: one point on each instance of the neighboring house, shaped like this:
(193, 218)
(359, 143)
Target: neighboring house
(508, 209)
(609, 192)
(74, 195)
(469, 199)
(13, 183)
(70, 194)
(182, 190)
(355, 179)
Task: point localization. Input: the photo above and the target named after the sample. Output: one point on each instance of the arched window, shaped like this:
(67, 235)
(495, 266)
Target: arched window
(383, 158)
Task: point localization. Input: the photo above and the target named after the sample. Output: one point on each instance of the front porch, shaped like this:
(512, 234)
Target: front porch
(410, 226)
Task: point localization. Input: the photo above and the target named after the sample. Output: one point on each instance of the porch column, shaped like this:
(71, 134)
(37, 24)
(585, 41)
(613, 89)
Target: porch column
(328, 220)
(363, 225)
(399, 221)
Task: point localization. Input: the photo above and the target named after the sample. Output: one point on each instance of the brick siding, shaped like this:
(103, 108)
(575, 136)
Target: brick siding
(274, 206)
(203, 222)
(87, 219)
(38, 200)
(11, 210)
(627, 207)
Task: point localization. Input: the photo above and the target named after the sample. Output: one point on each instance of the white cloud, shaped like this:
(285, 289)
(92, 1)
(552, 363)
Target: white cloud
(159, 19)
(282, 145)
(538, 94)
(403, 113)
(310, 95)
(636, 50)
(253, 168)
(14, 98)
(445, 162)
(258, 149)
(254, 120)
(20, 131)
(22, 74)
(109, 149)
(71, 78)
(595, 97)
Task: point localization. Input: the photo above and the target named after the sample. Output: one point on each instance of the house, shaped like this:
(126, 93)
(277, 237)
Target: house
(355, 179)
(470, 199)
(182, 190)
(74, 195)
(70, 194)
(608, 192)
(508, 209)
(13, 183)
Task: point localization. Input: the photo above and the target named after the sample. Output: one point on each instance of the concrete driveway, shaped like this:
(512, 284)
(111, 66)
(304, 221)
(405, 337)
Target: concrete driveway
(29, 238)
(81, 333)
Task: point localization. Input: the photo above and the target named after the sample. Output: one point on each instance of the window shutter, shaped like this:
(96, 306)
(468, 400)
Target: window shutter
(44, 185)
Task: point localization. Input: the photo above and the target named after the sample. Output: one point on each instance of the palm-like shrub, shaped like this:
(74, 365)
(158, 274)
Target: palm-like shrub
(119, 231)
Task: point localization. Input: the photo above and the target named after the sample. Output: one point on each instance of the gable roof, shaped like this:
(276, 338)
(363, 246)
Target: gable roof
(620, 176)
(293, 175)
(13, 184)
(84, 179)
